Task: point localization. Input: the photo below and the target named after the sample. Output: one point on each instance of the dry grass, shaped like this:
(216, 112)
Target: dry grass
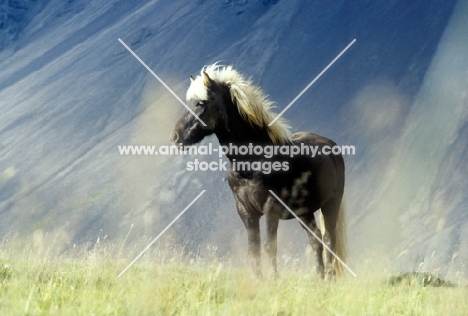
(34, 282)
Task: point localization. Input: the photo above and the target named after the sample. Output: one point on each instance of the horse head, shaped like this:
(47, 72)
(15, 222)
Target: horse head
(205, 100)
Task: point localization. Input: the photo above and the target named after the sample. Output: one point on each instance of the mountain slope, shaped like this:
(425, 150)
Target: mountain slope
(70, 94)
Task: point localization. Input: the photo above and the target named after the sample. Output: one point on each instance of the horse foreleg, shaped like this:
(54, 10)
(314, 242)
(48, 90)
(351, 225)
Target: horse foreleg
(271, 244)
(252, 224)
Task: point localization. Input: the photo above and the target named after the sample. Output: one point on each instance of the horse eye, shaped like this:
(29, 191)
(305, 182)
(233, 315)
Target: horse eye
(201, 103)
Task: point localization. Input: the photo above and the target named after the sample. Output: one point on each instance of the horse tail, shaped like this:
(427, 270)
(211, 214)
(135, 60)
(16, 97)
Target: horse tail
(341, 240)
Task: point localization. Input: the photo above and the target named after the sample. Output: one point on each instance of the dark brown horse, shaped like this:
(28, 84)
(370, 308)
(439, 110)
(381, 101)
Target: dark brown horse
(238, 113)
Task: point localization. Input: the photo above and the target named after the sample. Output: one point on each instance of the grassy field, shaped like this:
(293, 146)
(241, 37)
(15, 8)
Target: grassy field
(34, 282)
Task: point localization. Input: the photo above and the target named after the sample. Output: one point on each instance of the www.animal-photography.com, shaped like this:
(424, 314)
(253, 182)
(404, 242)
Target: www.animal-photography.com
(233, 157)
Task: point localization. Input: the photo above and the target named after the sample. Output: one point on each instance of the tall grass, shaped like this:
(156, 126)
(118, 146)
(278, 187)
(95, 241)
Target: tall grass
(37, 281)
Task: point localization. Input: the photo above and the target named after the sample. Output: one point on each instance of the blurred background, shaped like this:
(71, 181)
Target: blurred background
(70, 94)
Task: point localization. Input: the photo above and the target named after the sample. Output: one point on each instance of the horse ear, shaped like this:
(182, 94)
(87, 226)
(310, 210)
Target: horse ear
(192, 78)
(207, 80)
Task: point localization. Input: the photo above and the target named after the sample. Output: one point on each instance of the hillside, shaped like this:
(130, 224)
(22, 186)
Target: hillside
(70, 93)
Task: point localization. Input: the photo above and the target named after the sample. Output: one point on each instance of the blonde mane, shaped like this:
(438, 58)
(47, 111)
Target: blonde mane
(253, 105)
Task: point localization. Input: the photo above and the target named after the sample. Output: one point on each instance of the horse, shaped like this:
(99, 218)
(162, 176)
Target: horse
(239, 113)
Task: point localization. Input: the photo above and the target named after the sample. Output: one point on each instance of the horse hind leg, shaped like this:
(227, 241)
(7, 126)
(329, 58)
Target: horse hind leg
(317, 246)
(334, 236)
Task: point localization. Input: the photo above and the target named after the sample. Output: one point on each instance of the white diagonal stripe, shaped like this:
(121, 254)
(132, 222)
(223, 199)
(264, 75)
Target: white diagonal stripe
(160, 234)
(312, 82)
(313, 234)
(160, 80)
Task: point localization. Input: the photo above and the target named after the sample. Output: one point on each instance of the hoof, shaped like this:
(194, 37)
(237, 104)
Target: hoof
(330, 275)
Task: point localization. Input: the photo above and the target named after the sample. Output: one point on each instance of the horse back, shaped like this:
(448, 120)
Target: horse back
(311, 139)
(318, 141)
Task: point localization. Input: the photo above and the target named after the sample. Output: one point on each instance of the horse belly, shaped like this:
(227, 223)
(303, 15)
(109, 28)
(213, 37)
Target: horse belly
(286, 214)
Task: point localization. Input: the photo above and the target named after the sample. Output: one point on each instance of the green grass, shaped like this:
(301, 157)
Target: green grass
(34, 282)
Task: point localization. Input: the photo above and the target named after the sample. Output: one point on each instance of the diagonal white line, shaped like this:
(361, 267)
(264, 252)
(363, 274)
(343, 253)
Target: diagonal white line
(313, 234)
(160, 234)
(160, 80)
(313, 81)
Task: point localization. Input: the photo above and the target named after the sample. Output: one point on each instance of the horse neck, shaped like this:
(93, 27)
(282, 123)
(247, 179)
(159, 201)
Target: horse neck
(238, 132)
